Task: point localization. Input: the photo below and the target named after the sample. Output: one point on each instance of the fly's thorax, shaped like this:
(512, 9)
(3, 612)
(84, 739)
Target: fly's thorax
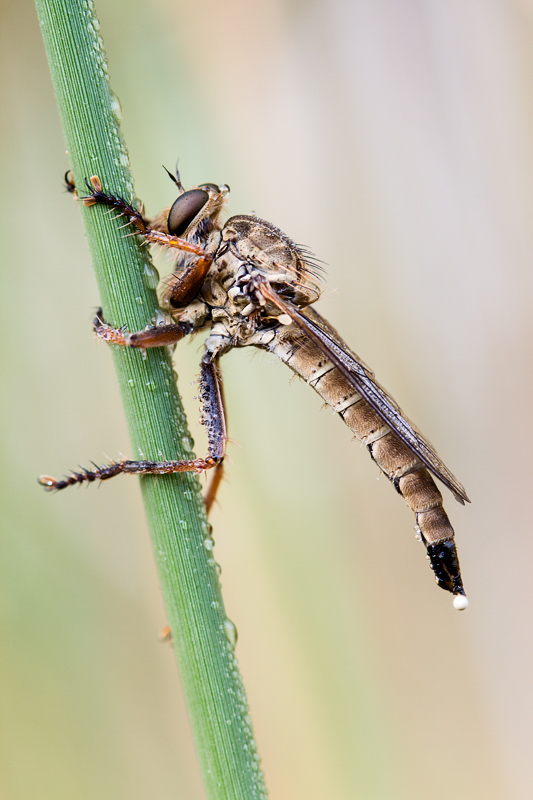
(265, 249)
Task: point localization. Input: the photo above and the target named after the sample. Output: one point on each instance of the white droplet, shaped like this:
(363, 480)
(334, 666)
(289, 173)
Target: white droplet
(230, 631)
(460, 602)
(150, 276)
(116, 107)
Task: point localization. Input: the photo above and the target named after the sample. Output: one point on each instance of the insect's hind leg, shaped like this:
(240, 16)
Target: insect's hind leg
(159, 336)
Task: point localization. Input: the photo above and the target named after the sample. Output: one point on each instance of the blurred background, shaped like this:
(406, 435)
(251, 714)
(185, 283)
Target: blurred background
(394, 139)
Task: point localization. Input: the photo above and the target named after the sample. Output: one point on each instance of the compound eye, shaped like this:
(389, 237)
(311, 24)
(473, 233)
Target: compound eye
(212, 186)
(185, 209)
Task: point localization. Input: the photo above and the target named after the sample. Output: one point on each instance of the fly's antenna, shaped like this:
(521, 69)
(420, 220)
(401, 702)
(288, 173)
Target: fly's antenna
(175, 178)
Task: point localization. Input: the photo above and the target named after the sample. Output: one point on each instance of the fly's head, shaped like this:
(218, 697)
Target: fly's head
(196, 212)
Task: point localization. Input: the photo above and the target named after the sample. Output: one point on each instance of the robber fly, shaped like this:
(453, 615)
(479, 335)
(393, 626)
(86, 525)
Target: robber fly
(249, 284)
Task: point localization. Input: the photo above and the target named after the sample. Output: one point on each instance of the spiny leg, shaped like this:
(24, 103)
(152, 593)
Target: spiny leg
(98, 196)
(155, 336)
(185, 287)
(213, 418)
(103, 473)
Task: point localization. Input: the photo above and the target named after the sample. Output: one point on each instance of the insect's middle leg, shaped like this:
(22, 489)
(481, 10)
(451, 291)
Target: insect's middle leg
(213, 417)
(156, 336)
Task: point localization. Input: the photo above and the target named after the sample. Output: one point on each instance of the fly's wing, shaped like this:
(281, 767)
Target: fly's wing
(362, 379)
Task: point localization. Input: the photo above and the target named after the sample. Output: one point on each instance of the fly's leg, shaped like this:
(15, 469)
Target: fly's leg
(159, 336)
(155, 336)
(68, 179)
(185, 286)
(106, 471)
(213, 418)
(182, 288)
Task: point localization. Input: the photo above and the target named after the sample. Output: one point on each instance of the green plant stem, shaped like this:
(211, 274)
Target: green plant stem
(202, 635)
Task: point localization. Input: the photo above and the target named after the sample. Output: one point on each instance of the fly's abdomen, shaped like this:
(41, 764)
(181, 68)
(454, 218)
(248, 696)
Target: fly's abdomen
(395, 459)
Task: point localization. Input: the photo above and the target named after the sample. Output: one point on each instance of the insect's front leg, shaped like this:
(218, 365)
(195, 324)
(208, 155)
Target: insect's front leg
(183, 288)
(213, 417)
(97, 196)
